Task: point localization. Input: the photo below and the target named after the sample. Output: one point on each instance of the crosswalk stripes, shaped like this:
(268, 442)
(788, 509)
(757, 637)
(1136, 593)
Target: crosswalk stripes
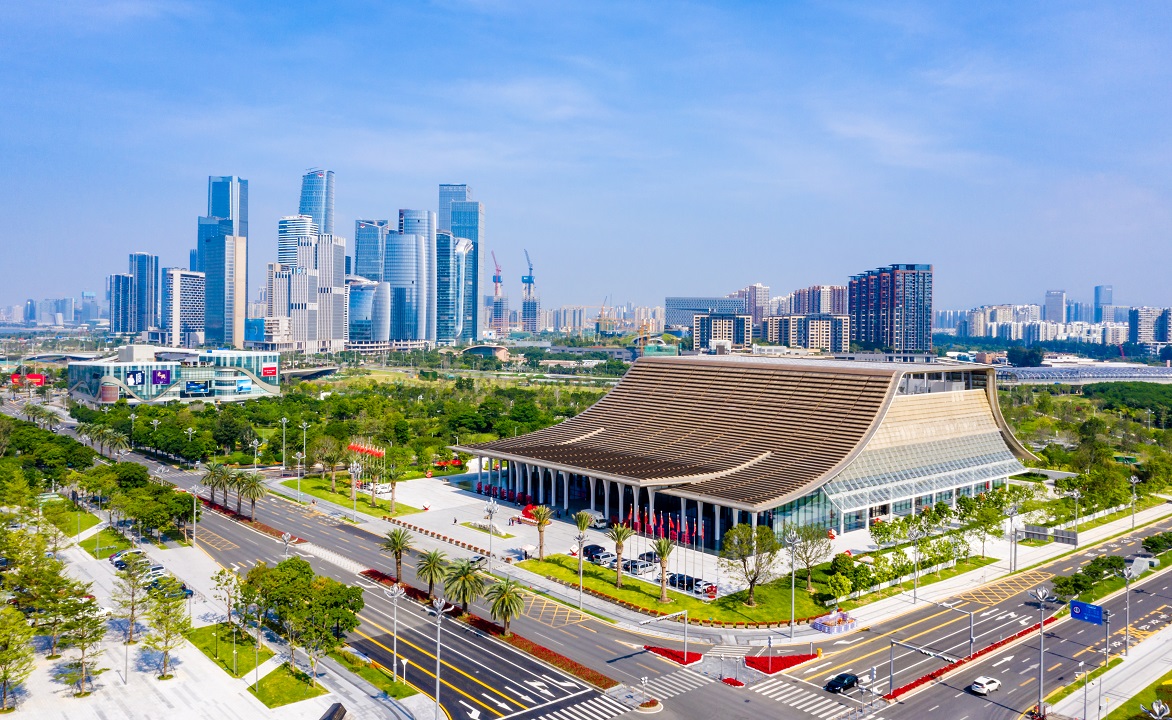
(730, 650)
(820, 705)
(602, 707)
(676, 683)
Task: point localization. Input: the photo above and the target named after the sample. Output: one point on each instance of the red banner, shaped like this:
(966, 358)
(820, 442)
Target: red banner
(268, 371)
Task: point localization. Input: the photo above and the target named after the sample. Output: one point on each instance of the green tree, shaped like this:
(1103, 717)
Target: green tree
(227, 590)
(619, 535)
(663, 547)
(813, 547)
(252, 488)
(463, 583)
(130, 593)
(986, 522)
(56, 604)
(86, 633)
(398, 542)
(167, 615)
(749, 556)
(432, 568)
(506, 601)
(543, 516)
(397, 457)
(16, 653)
(838, 585)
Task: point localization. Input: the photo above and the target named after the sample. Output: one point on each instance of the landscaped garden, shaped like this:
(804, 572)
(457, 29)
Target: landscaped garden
(283, 686)
(216, 642)
(320, 488)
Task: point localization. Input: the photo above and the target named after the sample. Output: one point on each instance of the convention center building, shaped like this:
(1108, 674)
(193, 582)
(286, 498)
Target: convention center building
(705, 442)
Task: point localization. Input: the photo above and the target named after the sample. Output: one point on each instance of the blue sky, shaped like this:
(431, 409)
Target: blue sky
(635, 149)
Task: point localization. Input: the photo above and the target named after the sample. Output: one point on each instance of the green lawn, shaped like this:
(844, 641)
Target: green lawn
(1159, 690)
(105, 543)
(470, 526)
(65, 515)
(1077, 685)
(320, 488)
(204, 638)
(282, 686)
(962, 566)
(375, 676)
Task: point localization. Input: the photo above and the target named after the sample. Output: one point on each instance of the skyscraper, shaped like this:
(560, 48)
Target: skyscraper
(467, 220)
(451, 266)
(422, 223)
(193, 259)
(407, 273)
(144, 267)
(370, 247)
(891, 308)
(449, 194)
(330, 264)
(317, 199)
(1054, 309)
(120, 289)
(182, 316)
(228, 200)
(370, 312)
(224, 259)
(1104, 295)
(290, 230)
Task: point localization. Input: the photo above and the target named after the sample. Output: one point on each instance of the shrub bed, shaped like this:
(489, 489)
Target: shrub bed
(732, 682)
(676, 656)
(770, 665)
(543, 653)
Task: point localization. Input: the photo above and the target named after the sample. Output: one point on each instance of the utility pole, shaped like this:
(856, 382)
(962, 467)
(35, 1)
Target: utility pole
(1042, 594)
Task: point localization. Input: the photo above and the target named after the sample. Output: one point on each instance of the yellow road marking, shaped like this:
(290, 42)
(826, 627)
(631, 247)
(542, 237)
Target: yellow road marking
(426, 672)
(889, 632)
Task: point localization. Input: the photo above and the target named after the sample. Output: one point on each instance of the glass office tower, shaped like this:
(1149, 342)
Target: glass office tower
(406, 272)
(451, 264)
(144, 268)
(422, 223)
(317, 199)
(449, 194)
(468, 222)
(290, 230)
(370, 247)
(228, 199)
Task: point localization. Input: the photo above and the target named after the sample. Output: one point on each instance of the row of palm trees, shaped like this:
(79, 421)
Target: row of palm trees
(41, 416)
(102, 436)
(247, 486)
(462, 580)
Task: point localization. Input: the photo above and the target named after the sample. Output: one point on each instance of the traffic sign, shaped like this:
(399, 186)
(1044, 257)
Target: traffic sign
(1086, 612)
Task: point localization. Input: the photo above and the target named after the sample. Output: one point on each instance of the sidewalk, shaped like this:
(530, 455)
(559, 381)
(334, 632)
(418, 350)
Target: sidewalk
(1148, 662)
(449, 506)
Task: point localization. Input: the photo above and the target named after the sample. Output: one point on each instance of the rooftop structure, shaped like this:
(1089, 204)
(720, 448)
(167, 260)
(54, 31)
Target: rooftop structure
(731, 439)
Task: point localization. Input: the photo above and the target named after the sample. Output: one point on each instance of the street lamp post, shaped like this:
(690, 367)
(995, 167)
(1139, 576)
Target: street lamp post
(284, 423)
(1077, 495)
(255, 445)
(355, 473)
(154, 433)
(1042, 594)
(490, 510)
(1134, 481)
(791, 539)
(285, 538)
(299, 457)
(438, 604)
(1158, 711)
(1128, 574)
(304, 453)
(395, 593)
(915, 536)
(1011, 513)
(1085, 677)
(190, 432)
(580, 538)
(194, 513)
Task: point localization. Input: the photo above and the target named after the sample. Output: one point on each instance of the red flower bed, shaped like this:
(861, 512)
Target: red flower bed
(543, 653)
(383, 578)
(676, 656)
(244, 520)
(732, 682)
(937, 674)
(771, 665)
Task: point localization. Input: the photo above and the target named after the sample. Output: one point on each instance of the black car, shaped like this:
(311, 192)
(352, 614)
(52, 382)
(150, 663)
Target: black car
(842, 682)
(650, 556)
(590, 552)
(681, 581)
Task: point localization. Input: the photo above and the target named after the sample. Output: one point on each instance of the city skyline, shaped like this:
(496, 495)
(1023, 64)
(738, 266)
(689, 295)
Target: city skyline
(630, 136)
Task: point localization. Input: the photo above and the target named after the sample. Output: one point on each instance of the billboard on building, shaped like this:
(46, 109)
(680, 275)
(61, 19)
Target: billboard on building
(160, 377)
(32, 379)
(196, 387)
(243, 386)
(135, 378)
(109, 394)
(268, 371)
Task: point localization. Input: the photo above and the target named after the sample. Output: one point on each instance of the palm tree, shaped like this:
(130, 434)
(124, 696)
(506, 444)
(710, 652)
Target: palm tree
(542, 515)
(216, 478)
(463, 583)
(582, 519)
(252, 488)
(663, 547)
(619, 534)
(506, 601)
(116, 441)
(83, 430)
(398, 542)
(431, 569)
(235, 481)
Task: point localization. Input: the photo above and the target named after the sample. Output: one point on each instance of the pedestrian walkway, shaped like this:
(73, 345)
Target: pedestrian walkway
(599, 707)
(800, 697)
(1147, 662)
(676, 683)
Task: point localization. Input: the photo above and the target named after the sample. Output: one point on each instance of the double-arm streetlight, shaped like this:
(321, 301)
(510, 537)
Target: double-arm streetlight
(580, 538)
(133, 417)
(915, 536)
(791, 539)
(1077, 495)
(1128, 574)
(304, 453)
(299, 457)
(154, 433)
(195, 489)
(1134, 481)
(395, 593)
(255, 445)
(1011, 513)
(490, 510)
(355, 473)
(1042, 595)
(438, 604)
(284, 424)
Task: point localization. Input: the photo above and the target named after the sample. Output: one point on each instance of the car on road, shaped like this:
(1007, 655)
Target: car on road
(479, 561)
(842, 682)
(985, 685)
(605, 559)
(650, 556)
(592, 551)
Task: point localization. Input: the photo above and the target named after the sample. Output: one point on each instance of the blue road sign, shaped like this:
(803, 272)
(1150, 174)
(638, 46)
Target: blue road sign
(1086, 612)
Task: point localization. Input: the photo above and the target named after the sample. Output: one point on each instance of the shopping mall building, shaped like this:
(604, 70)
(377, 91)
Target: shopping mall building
(149, 374)
(750, 439)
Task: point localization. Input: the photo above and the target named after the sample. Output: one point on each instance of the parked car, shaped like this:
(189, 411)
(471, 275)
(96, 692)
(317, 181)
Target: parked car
(985, 685)
(650, 556)
(478, 561)
(842, 682)
(605, 559)
(122, 554)
(637, 567)
(702, 587)
(589, 552)
(122, 562)
(681, 581)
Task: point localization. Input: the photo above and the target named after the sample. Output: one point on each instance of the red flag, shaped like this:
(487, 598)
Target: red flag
(701, 528)
(652, 515)
(630, 514)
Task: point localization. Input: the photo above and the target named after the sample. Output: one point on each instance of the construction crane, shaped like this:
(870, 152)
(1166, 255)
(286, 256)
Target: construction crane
(497, 277)
(500, 302)
(530, 302)
(527, 280)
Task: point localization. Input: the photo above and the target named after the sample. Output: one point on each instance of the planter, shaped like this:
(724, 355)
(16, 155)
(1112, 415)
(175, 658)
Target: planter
(650, 707)
(732, 682)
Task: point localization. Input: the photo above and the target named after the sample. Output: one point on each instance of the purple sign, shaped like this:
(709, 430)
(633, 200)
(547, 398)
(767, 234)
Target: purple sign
(160, 377)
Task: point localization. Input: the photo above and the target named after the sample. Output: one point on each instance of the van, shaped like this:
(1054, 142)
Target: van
(597, 519)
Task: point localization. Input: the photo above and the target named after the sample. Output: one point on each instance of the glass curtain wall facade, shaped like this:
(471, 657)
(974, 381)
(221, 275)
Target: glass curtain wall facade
(370, 247)
(144, 267)
(120, 289)
(422, 223)
(405, 272)
(468, 222)
(291, 230)
(317, 199)
(451, 268)
(370, 311)
(449, 194)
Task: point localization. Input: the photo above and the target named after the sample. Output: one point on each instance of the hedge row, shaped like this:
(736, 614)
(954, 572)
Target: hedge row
(439, 536)
(771, 665)
(676, 656)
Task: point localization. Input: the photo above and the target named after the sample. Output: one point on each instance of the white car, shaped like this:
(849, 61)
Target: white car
(985, 685)
(605, 559)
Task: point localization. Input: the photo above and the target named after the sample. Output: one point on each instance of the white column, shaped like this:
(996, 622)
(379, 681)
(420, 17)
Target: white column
(606, 500)
(716, 527)
(753, 521)
(622, 492)
(699, 518)
(566, 492)
(651, 505)
(540, 485)
(590, 482)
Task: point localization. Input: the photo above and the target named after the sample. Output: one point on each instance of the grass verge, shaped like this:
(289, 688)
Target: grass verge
(962, 566)
(204, 638)
(470, 526)
(320, 489)
(69, 518)
(1159, 690)
(375, 675)
(104, 543)
(283, 686)
(1076, 686)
